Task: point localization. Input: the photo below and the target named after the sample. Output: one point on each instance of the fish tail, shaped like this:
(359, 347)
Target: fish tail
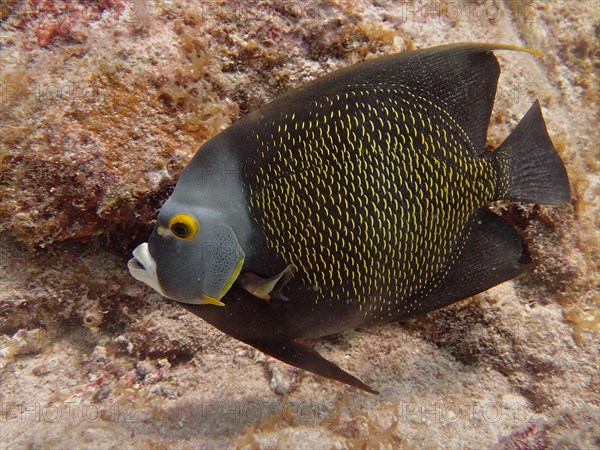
(529, 168)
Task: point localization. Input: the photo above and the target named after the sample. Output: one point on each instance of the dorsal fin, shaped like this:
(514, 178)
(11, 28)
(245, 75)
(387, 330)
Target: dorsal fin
(460, 78)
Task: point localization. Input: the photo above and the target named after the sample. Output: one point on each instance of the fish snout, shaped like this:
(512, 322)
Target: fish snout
(142, 267)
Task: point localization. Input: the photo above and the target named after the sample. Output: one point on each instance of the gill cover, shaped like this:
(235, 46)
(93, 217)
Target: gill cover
(198, 270)
(226, 264)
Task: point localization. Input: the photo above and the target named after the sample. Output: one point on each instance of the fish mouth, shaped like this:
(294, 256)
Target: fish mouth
(142, 267)
(134, 264)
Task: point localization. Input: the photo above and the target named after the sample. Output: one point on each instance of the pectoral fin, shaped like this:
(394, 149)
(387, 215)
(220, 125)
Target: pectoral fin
(304, 357)
(267, 288)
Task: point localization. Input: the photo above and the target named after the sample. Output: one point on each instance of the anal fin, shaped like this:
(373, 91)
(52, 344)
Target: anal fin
(304, 357)
(492, 254)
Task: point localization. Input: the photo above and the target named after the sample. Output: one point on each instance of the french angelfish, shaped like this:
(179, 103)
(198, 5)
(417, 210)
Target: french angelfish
(357, 199)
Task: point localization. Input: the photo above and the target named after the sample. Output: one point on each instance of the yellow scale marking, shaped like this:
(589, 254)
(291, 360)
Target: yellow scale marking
(356, 200)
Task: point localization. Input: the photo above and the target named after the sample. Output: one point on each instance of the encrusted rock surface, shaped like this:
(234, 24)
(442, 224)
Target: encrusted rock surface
(104, 103)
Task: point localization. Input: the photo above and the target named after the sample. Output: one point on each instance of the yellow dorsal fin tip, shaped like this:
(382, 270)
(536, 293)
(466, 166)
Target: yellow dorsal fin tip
(520, 48)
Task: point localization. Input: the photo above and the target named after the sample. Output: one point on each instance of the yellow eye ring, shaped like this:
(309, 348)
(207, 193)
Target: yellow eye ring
(184, 226)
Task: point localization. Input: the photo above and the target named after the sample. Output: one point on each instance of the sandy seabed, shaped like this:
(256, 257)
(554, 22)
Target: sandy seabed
(104, 103)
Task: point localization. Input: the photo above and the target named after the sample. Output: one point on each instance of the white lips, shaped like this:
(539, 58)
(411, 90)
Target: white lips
(142, 267)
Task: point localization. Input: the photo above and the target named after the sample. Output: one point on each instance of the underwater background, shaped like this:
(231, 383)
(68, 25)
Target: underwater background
(104, 103)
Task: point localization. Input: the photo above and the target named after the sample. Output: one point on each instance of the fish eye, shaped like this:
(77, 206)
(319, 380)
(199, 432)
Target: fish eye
(184, 226)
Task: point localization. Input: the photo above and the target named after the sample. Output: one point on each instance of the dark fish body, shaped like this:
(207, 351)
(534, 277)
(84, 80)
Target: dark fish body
(373, 182)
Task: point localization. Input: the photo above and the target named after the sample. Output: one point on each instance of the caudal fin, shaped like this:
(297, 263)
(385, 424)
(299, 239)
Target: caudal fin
(529, 164)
